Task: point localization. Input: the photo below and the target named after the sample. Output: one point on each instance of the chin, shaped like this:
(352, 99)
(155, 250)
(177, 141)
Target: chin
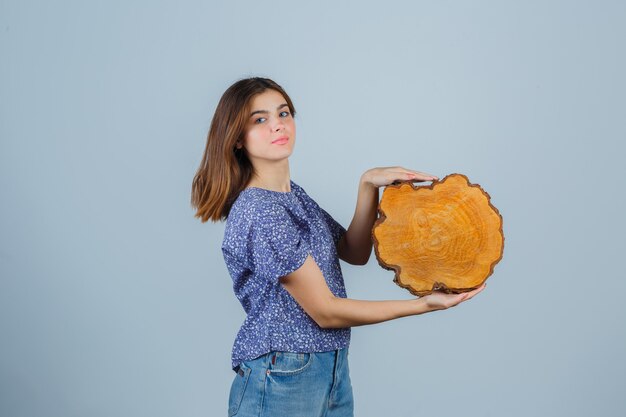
(284, 153)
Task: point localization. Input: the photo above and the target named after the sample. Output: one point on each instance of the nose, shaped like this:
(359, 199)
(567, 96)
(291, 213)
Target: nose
(278, 125)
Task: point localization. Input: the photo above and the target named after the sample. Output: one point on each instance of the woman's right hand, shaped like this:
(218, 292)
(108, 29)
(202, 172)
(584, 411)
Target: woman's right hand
(438, 300)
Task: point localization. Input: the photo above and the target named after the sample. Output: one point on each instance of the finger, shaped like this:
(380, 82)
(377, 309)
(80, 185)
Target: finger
(409, 176)
(476, 291)
(401, 173)
(460, 298)
(422, 176)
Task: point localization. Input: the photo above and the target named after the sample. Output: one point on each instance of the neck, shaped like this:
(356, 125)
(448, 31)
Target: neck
(274, 177)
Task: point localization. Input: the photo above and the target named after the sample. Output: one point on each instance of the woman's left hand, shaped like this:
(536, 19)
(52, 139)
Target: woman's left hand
(379, 177)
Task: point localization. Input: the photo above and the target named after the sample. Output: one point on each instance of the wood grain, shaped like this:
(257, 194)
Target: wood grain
(446, 236)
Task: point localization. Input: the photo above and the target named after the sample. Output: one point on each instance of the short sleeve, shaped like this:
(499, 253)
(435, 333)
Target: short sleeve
(277, 247)
(336, 229)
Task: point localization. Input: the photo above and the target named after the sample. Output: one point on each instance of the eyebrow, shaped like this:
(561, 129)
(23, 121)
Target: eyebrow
(265, 111)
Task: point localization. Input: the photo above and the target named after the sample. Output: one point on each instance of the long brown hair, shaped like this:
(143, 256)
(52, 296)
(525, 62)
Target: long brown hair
(225, 170)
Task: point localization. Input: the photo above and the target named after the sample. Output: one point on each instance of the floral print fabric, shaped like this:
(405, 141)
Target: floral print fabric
(269, 234)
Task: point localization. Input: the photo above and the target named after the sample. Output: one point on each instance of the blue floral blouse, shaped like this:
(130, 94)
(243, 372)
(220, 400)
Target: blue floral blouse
(268, 234)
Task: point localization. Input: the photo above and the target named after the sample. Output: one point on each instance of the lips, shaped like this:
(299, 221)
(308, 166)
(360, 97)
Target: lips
(281, 140)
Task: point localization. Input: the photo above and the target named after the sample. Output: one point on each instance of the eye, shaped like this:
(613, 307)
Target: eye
(285, 112)
(260, 118)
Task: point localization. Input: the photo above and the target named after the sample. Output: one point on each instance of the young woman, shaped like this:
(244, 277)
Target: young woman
(282, 251)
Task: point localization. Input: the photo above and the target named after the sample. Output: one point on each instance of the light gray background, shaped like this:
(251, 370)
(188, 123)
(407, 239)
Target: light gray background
(115, 301)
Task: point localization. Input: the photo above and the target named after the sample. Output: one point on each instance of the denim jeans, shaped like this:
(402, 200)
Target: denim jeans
(289, 384)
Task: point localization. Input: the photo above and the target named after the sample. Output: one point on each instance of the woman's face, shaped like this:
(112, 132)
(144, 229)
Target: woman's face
(271, 130)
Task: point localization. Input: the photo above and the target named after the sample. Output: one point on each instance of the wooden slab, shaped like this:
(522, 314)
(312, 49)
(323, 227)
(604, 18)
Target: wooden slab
(446, 236)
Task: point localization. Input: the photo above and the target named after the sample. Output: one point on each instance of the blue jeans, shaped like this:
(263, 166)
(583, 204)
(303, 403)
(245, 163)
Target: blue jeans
(289, 384)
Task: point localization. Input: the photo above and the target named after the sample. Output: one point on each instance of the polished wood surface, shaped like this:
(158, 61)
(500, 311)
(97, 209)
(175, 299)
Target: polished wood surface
(446, 236)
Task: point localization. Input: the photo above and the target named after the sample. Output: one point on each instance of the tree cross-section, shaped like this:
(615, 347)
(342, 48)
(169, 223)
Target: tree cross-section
(446, 236)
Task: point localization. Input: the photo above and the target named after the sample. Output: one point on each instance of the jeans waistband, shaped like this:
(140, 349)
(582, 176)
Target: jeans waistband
(267, 355)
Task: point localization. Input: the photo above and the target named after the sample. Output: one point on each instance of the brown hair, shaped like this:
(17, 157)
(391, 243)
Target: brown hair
(225, 170)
